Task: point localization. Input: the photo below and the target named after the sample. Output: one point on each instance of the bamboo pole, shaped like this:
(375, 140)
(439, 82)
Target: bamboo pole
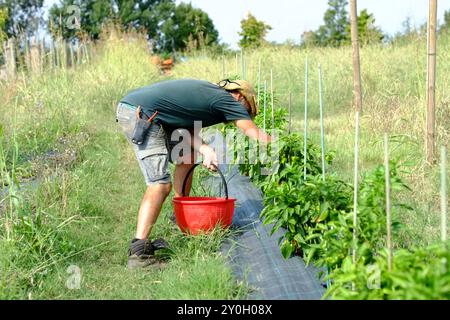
(27, 54)
(357, 89)
(431, 83)
(86, 52)
(322, 131)
(72, 55)
(42, 54)
(57, 56)
(388, 201)
(444, 216)
(242, 64)
(272, 105)
(35, 59)
(10, 59)
(244, 76)
(355, 190)
(79, 58)
(64, 53)
(265, 104)
(305, 135)
(290, 112)
(51, 54)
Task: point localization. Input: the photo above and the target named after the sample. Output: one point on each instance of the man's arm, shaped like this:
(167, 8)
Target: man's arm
(250, 129)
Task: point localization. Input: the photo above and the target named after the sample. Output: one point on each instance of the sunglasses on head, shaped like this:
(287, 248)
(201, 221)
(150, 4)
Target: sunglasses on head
(225, 82)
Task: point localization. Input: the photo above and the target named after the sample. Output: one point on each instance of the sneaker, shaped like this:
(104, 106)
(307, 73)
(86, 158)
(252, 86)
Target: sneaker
(141, 253)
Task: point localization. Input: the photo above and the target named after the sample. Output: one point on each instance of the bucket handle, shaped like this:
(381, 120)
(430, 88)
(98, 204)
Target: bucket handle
(224, 182)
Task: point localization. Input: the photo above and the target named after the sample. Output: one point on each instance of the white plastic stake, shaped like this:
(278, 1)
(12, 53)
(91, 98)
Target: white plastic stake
(322, 131)
(271, 99)
(355, 193)
(305, 135)
(388, 201)
(444, 215)
(265, 104)
(259, 79)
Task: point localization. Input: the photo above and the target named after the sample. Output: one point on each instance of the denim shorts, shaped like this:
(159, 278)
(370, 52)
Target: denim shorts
(153, 153)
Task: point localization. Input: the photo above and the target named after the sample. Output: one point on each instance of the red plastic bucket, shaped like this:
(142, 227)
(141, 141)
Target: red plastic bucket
(196, 215)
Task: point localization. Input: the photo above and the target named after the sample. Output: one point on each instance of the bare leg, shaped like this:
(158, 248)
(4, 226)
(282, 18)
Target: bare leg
(178, 178)
(151, 204)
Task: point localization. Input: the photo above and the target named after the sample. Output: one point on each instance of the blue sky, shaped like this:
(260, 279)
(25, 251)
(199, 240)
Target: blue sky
(290, 18)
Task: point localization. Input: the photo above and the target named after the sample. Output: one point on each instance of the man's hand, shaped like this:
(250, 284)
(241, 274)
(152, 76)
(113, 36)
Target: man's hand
(250, 129)
(209, 157)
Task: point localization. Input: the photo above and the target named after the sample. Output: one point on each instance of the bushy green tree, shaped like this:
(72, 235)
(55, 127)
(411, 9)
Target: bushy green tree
(334, 31)
(25, 16)
(185, 25)
(446, 24)
(367, 31)
(253, 32)
(3, 21)
(168, 25)
(72, 16)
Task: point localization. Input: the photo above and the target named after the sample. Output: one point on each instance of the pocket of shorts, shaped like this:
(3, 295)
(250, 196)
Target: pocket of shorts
(151, 151)
(154, 163)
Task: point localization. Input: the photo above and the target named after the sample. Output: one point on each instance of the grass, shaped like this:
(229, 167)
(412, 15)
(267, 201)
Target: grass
(77, 188)
(74, 186)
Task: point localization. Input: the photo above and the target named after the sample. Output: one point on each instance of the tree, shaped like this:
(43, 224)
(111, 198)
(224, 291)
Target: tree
(335, 30)
(186, 24)
(367, 31)
(25, 16)
(167, 24)
(253, 32)
(446, 25)
(93, 14)
(3, 21)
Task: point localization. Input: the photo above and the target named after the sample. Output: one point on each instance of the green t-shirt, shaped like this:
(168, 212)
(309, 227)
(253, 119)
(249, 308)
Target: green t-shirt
(181, 102)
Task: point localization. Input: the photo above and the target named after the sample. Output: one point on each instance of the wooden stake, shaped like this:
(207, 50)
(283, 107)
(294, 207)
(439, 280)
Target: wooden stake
(27, 56)
(444, 216)
(357, 91)
(305, 134)
(72, 55)
(322, 131)
(388, 201)
(223, 67)
(42, 54)
(10, 59)
(431, 82)
(35, 59)
(242, 64)
(355, 192)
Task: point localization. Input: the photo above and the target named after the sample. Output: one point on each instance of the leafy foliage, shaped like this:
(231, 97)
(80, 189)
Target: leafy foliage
(336, 28)
(3, 21)
(253, 32)
(334, 32)
(367, 31)
(316, 214)
(24, 16)
(169, 26)
(187, 24)
(417, 274)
